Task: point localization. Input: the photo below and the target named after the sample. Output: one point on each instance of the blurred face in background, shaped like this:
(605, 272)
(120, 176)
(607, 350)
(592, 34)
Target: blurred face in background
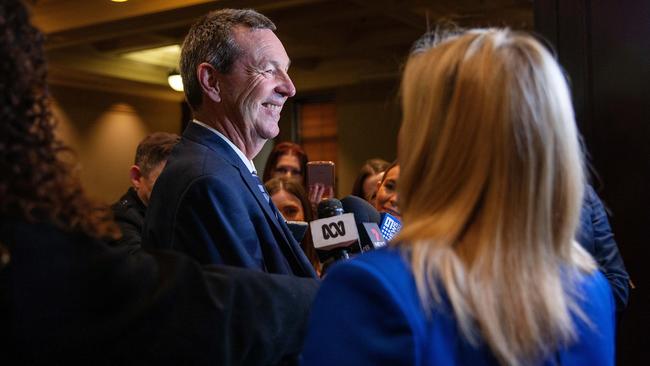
(288, 205)
(288, 166)
(142, 183)
(386, 199)
(370, 186)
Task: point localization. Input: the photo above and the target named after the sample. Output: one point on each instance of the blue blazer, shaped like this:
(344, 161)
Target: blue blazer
(368, 312)
(207, 204)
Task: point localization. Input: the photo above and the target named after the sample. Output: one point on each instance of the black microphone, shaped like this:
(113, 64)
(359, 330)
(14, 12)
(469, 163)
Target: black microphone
(335, 233)
(329, 207)
(361, 209)
(367, 219)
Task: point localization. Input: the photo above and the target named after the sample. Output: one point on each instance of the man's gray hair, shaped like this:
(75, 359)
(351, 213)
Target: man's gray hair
(211, 40)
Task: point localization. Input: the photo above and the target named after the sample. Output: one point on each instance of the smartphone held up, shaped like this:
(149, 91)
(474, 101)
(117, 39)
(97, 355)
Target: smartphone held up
(320, 180)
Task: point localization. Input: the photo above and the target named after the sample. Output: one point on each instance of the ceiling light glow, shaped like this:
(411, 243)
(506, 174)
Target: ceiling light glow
(175, 81)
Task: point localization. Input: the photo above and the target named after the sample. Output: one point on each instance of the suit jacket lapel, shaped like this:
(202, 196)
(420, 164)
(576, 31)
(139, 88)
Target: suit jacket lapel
(203, 136)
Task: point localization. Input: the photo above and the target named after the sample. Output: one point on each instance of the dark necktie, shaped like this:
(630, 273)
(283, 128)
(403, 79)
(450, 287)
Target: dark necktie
(262, 189)
(267, 197)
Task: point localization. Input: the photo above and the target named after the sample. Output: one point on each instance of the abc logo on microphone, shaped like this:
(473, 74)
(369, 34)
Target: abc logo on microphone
(335, 231)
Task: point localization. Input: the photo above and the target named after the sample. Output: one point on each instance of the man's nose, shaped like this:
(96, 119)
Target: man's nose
(285, 86)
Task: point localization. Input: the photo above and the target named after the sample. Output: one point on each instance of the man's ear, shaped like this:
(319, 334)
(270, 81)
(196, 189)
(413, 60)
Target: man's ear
(136, 176)
(208, 78)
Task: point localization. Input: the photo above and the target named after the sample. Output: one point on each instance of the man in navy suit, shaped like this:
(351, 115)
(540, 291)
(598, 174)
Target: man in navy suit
(208, 202)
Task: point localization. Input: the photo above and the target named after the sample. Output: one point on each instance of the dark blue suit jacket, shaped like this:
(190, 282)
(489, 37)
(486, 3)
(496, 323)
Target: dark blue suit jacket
(207, 204)
(595, 235)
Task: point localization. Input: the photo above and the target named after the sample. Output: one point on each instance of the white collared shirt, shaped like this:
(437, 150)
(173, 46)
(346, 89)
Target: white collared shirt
(249, 163)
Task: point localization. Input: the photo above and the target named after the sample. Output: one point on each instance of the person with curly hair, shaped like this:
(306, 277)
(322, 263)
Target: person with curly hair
(66, 297)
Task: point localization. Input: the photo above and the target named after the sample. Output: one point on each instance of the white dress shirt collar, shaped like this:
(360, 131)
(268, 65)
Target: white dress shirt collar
(249, 163)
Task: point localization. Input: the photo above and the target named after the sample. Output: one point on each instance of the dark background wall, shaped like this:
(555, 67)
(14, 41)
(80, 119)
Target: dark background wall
(104, 129)
(605, 48)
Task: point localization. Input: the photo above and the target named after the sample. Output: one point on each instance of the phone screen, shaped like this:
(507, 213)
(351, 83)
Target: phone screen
(320, 172)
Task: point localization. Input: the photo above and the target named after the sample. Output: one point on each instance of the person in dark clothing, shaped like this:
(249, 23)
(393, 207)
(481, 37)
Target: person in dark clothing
(150, 159)
(595, 235)
(68, 298)
(129, 213)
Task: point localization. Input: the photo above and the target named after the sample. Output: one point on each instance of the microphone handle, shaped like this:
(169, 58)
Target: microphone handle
(341, 254)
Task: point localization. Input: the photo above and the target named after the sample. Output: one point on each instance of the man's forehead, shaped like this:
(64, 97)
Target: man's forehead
(259, 40)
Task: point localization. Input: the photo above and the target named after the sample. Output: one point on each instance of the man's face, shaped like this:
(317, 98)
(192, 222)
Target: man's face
(257, 86)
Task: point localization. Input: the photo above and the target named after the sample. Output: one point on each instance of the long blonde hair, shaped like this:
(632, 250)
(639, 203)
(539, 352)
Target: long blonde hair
(490, 190)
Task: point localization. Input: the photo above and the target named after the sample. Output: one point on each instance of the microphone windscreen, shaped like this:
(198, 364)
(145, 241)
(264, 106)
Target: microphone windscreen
(329, 207)
(298, 229)
(362, 210)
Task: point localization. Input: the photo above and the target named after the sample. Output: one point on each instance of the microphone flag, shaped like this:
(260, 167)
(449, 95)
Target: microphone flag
(390, 226)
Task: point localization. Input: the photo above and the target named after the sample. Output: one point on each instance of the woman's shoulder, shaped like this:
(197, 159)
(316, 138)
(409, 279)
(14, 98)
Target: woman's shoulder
(389, 264)
(587, 284)
(385, 271)
(593, 293)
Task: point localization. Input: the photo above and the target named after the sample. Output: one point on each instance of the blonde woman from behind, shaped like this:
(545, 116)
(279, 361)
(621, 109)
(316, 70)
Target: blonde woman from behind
(485, 270)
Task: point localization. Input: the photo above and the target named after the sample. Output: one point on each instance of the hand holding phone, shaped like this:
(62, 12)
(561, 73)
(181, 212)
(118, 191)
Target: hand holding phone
(320, 181)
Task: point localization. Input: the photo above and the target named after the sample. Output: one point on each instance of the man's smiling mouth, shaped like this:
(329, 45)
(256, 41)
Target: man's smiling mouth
(273, 107)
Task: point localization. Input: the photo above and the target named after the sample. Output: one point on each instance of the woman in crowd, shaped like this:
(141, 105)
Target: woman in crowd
(68, 298)
(291, 200)
(287, 160)
(486, 269)
(365, 186)
(290, 160)
(386, 196)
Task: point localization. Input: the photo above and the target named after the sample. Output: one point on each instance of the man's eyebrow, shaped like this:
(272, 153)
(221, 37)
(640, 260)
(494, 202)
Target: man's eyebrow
(278, 65)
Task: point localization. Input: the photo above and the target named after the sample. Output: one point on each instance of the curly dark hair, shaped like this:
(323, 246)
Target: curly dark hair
(36, 184)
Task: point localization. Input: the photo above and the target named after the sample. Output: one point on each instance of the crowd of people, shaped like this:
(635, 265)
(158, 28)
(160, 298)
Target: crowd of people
(505, 255)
